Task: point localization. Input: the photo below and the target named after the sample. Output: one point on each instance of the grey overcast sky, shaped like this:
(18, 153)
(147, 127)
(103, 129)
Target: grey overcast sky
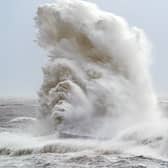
(21, 58)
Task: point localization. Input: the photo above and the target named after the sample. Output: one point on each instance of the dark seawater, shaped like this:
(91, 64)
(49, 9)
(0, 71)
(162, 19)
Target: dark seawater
(17, 116)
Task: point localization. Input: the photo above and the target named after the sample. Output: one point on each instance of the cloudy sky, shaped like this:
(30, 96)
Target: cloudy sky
(21, 58)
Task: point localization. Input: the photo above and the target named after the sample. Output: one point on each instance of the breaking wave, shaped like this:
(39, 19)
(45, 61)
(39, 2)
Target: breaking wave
(96, 89)
(96, 81)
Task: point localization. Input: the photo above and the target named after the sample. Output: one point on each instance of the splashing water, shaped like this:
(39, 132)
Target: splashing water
(96, 92)
(96, 81)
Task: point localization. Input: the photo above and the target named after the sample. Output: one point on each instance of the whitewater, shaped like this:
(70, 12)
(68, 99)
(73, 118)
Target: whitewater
(96, 106)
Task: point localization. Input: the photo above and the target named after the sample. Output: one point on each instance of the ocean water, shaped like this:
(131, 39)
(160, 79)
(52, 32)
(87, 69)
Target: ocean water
(96, 105)
(21, 147)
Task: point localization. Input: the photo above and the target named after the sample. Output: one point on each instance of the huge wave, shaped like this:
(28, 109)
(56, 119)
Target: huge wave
(96, 81)
(96, 89)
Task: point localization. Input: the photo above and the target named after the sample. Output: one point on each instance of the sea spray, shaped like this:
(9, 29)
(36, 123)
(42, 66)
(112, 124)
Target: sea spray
(97, 107)
(96, 81)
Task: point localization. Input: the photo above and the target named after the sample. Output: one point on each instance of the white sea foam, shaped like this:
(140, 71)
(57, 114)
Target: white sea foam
(96, 87)
(97, 77)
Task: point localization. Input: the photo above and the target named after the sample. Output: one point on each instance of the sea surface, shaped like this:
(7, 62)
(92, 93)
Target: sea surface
(20, 148)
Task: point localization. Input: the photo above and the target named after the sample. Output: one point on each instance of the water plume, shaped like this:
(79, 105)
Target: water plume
(96, 81)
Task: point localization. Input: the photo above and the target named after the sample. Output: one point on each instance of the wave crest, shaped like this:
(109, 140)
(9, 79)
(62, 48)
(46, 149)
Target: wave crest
(97, 77)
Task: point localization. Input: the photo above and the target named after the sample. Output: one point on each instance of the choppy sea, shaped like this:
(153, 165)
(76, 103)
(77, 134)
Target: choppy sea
(20, 148)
